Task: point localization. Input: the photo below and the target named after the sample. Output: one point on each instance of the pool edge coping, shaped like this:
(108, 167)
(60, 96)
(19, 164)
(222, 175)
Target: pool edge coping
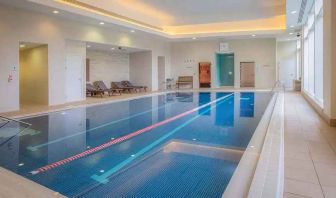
(263, 158)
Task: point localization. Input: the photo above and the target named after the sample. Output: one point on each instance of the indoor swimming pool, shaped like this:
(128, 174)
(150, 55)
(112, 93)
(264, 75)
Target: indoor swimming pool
(181, 144)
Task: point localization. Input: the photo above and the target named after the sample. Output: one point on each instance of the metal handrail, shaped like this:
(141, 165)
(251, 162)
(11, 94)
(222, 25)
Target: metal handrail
(276, 85)
(14, 120)
(28, 125)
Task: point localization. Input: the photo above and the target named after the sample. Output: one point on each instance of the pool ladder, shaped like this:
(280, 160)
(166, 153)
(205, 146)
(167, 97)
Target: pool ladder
(5, 121)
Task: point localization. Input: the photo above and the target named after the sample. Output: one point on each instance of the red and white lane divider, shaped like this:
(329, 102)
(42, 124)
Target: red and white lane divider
(121, 139)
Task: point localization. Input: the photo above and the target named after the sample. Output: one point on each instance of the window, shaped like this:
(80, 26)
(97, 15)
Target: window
(313, 53)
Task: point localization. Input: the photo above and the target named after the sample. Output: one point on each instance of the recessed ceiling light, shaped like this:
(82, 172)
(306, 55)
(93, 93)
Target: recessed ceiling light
(291, 33)
(22, 46)
(88, 46)
(292, 26)
(113, 49)
(132, 31)
(253, 35)
(101, 171)
(294, 12)
(21, 164)
(55, 11)
(194, 38)
(101, 23)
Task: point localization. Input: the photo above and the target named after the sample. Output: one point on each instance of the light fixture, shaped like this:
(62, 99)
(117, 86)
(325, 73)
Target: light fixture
(132, 155)
(294, 12)
(194, 38)
(132, 31)
(101, 23)
(101, 171)
(253, 35)
(291, 33)
(194, 139)
(292, 26)
(22, 45)
(55, 11)
(113, 49)
(21, 164)
(88, 46)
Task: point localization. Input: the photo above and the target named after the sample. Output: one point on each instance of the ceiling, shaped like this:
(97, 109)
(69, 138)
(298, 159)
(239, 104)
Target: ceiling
(180, 19)
(183, 19)
(190, 12)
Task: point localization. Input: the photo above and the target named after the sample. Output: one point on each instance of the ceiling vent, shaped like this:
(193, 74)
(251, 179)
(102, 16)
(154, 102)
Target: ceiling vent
(302, 11)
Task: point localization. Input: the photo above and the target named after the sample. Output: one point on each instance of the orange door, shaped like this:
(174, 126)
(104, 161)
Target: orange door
(205, 75)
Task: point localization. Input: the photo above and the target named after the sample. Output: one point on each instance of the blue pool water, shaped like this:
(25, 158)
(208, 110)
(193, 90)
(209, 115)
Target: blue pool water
(172, 145)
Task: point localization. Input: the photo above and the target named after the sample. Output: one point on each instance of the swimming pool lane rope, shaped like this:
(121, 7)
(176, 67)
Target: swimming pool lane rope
(34, 148)
(104, 178)
(122, 139)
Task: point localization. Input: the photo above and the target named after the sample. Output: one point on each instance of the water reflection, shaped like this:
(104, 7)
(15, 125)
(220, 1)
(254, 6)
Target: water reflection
(247, 105)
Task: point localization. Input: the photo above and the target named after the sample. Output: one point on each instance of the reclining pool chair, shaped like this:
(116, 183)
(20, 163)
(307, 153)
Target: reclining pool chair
(119, 85)
(102, 87)
(127, 83)
(92, 90)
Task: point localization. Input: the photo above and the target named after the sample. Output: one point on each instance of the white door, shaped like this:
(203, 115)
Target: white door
(74, 78)
(287, 73)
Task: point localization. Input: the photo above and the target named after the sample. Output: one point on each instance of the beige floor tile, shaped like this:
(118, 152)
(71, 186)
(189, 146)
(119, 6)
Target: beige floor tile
(320, 148)
(299, 164)
(303, 188)
(326, 174)
(301, 175)
(323, 158)
(297, 155)
(290, 195)
(329, 192)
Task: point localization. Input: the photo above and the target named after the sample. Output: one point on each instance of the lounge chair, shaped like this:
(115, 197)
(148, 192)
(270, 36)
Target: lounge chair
(119, 85)
(92, 90)
(102, 87)
(127, 83)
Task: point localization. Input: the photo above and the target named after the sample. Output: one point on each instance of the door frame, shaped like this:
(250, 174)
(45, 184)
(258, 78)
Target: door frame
(219, 68)
(240, 71)
(208, 85)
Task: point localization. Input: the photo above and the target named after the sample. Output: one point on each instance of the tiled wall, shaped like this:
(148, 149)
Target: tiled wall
(108, 66)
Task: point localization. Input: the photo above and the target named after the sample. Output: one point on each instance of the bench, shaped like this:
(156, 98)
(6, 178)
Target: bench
(184, 80)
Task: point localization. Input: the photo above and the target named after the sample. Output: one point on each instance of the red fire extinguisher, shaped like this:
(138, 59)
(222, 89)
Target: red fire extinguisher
(10, 77)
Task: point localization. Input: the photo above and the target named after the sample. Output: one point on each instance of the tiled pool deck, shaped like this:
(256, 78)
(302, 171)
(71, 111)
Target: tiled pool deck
(310, 151)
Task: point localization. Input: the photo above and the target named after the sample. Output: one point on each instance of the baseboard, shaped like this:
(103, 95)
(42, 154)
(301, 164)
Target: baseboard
(319, 110)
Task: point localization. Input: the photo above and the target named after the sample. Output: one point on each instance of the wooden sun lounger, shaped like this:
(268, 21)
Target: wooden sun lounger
(92, 90)
(127, 83)
(119, 85)
(101, 86)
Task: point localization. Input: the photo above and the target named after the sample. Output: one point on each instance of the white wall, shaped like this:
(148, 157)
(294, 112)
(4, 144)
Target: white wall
(75, 70)
(185, 57)
(53, 30)
(287, 62)
(141, 69)
(108, 66)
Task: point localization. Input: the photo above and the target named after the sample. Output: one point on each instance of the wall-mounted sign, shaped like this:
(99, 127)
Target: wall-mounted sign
(223, 47)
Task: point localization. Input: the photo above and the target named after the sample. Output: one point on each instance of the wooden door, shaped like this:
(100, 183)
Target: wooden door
(247, 74)
(205, 75)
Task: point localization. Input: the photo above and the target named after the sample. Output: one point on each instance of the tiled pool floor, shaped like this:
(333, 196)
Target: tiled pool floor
(310, 151)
